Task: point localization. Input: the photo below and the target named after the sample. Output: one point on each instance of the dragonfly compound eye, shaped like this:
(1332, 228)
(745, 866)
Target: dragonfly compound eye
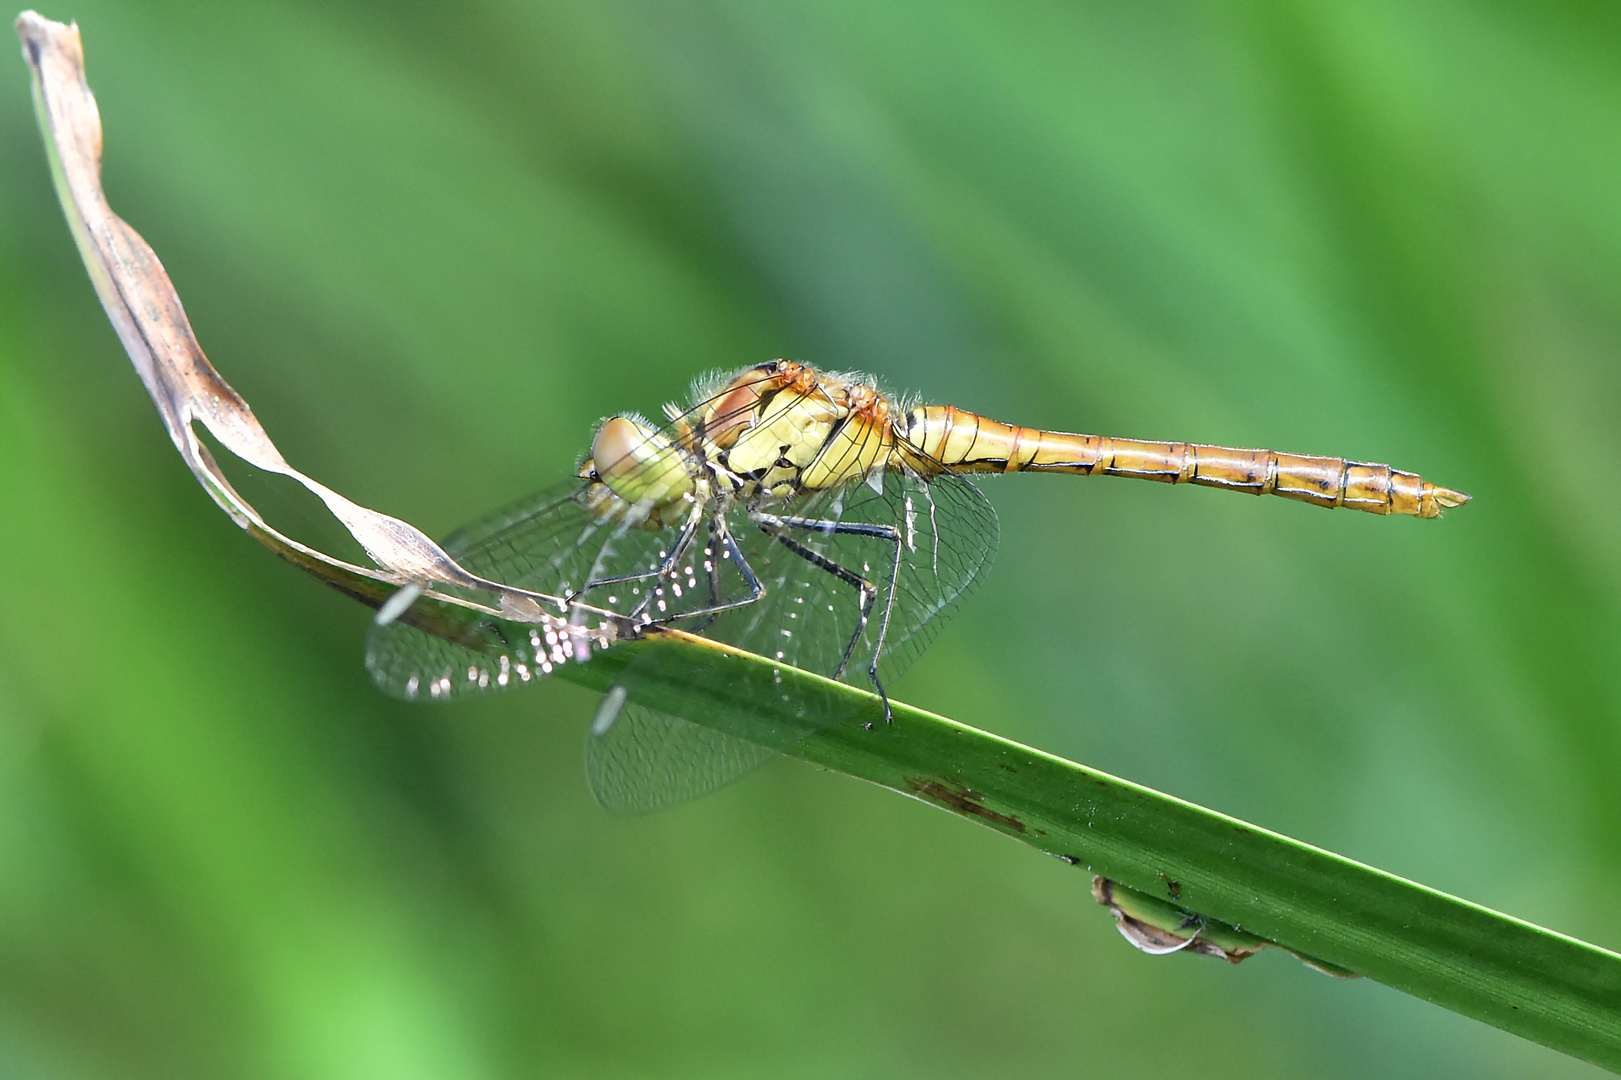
(639, 464)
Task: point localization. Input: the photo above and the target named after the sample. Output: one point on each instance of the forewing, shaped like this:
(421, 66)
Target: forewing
(561, 544)
(551, 543)
(442, 652)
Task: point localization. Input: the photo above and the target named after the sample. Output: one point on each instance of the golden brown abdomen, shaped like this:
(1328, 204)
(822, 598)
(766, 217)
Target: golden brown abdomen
(962, 441)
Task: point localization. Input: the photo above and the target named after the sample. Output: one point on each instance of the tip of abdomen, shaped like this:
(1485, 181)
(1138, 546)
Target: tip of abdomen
(1437, 499)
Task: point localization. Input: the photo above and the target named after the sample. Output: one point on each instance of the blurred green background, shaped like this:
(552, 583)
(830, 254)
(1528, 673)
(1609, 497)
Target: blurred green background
(432, 243)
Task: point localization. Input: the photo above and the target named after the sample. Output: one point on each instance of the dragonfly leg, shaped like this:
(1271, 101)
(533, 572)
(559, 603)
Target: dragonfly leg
(771, 523)
(709, 612)
(677, 551)
(883, 626)
(756, 590)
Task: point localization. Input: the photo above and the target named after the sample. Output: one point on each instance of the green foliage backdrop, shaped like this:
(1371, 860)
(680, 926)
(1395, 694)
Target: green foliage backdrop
(432, 243)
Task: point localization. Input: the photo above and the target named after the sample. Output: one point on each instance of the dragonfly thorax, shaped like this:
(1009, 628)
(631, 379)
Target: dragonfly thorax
(783, 429)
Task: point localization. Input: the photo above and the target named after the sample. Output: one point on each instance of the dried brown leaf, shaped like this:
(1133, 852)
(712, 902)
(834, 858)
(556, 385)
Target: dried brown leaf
(145, 309)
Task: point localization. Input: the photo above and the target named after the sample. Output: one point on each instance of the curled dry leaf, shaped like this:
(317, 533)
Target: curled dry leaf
(145, 309)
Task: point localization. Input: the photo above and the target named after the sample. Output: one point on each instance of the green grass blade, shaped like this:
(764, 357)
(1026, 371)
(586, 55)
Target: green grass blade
(1544, 986)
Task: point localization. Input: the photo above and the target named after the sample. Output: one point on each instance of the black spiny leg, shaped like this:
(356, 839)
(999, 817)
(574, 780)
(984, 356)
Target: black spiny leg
(867, 590)
(756, 590)
(883, 623)
(689, 531)
(707, 614)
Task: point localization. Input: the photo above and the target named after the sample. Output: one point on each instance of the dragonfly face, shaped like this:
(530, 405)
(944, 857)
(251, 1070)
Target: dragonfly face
(636, 474)
(641, 465)
(790, 513)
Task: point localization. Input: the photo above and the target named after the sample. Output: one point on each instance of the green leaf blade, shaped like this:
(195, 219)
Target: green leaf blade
(1541, 985)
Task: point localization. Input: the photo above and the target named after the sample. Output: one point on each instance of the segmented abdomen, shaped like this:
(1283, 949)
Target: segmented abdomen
(962, 441)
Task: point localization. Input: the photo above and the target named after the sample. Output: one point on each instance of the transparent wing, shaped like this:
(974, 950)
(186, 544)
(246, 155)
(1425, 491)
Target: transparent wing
(943, 533)
(638, 760)
(553, 543)
(932, 538)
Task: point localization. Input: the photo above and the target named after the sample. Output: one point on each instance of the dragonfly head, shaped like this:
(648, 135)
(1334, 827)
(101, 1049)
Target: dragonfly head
(638, 463)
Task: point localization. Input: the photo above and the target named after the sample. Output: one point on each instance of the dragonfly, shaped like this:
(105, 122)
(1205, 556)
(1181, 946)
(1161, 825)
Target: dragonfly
(800, 514)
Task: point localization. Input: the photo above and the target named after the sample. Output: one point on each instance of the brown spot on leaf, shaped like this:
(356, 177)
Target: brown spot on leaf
(964, 801)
